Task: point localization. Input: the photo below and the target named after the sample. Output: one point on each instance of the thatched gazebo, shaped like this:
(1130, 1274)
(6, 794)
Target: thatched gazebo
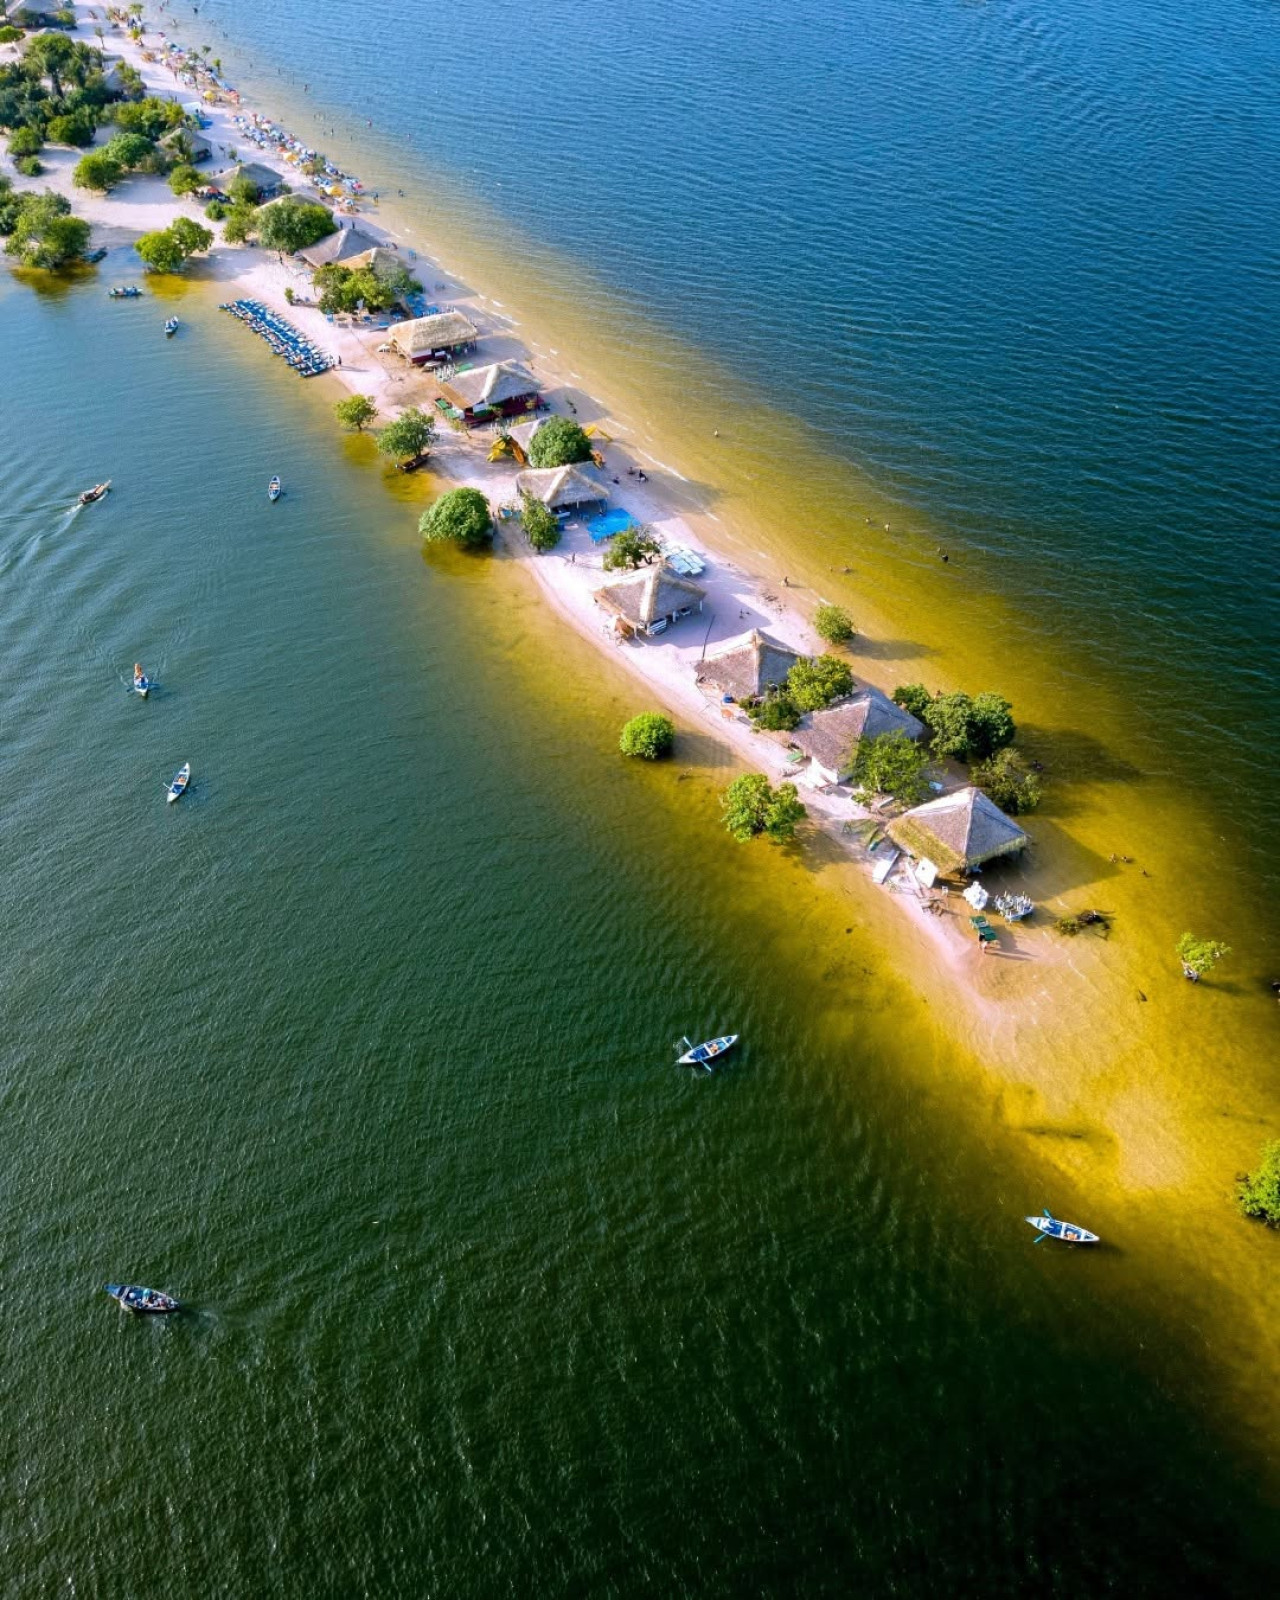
(503, 389)
(443, 333)
(745, 668)
(342, 247)
(831, 737)
(650, 600)
(957, 832)
(563, 488)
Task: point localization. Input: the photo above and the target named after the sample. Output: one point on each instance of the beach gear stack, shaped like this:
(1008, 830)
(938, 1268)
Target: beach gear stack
(305, 357)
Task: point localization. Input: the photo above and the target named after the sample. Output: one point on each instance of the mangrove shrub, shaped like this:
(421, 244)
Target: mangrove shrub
(462, 517)
(815, 682)
(1258, 1192)
(1199, 956)
(752, 806)
(1009, 781)
(833, 624)
(775, 711)
(408, 435)
(648, 736)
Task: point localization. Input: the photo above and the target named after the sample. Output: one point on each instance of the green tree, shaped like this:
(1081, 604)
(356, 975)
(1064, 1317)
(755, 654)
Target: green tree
(217, 211)
(131, 150)
(834, 624)
(893, 763)
(243, 190)
(292, 224)
(342, 289)
(1199, 956)
(462, 516)
(357, 412)
(991, 725)
(76, 129)
(152, 117)
(541, 527)
(775, 711)
(184, 179)
(408, 435)
(49, 55)
(168, 249)
(913, 697)
(1258, 1192)
(1009, 781)
(193, 236)
(559, 442)
(25, 142)
(45, 234)
(241, 220)
(98, 172)
(29, 166)
(948, 717)
(814, 683)
(648, 736)
(634, 547)
(752, 806)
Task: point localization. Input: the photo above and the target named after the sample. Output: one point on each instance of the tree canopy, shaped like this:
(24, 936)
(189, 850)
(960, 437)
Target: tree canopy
(833, 624)
(357, 411)
(815, 682)
(893, 763)
(634, 547)
(1258, 1192)
(407, 435)
(168, 249)
(133, 151)
(97, 171)
(752, 806)
(344, 289)
(292, 224)
(1199, 956)
(962, 727)
(1009, 781)
(26, 141)
(76, 128)
(152, 117)
(184, 179)
(559, 442)
(241, 221)
(541, 527)
(41, 230)
(462, 516)
(775, 711)
(647, 736)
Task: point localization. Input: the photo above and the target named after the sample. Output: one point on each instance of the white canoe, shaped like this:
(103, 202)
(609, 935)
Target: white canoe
(176, 789)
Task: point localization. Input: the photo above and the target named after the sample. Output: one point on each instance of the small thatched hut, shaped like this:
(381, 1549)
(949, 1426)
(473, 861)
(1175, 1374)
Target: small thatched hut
(830, 737)
(745, 668)
(433, 338)
(957, 831)
(650, 600)
(505, 389)
(266, 180)
(563, 488)
(345, 247)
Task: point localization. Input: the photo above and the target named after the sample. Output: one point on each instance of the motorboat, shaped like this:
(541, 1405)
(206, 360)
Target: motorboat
(128, 291)
(702, 1055)
(181, 781)
(171, 327)
(141, 683)
(145, 1302)
(96, 493)
(1069, 1232)
(273, 489)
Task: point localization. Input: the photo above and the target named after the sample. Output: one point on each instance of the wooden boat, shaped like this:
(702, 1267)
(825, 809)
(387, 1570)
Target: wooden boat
(181, 780)
(171, 327)
(145, 1302)
(1069, 1232)
(702, 1055)
(96, 493)
(141, 683)
(128, 291)
(273, 489)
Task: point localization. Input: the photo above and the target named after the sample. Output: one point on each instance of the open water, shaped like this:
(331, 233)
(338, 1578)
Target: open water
(363, 1047)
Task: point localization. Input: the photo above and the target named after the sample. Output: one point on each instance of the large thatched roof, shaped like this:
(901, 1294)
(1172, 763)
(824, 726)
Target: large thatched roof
(642, 597)
(267, 179)
(831, 736)
(489, 386)
(746, 667)
(957, 831)
(338, 248)
(562, 487)
(445, 330)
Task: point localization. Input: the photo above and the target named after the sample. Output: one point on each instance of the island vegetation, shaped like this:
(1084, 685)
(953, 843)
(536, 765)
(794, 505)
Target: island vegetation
(291, 223)
(559, 442)
(408, 437)
(541, 526)
(460, 517)
(39, 229)
(1199, 956)
(815, 681)
(1258, 1192)
(361, 288)
(356, 411)
(633, 547)
(775, 711)
(648, 736)
(833, 624)
(752, 806)
(894, 764)
(169, 249)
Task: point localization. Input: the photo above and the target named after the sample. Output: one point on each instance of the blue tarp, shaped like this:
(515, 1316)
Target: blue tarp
(607, 524)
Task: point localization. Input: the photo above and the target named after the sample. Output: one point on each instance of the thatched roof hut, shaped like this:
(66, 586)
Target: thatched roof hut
(266, 180)
(503, 389)
(562, 488)
(745, 668)
(958, 831)
(341, 248)
(438, 334)
(830, 737)
(195, 142)
(649, 600)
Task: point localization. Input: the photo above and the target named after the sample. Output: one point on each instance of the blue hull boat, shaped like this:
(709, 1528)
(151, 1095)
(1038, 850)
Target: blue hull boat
(702, 1055)
(145, 1302)
(181, 779)
(1069, 1232)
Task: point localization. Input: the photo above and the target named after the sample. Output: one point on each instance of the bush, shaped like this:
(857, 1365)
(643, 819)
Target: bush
(962, 727)
(541, 528)
(29, 166)
(76, 129)
(168, 249)
(814, 683)
(893, 763)
(342, 289)
(25, 142)
(648, 736)
(1258, 1192)
(461, 516)
(559, 442)
(184, 179)
(632, 548)
(131, 150)
(913, 697)
(98, 172)
(241, 220)
(216, 210)
(777, 712)
(9, 34)
(152, 117)
(243, 190)
(834, 624)
(43, 233)
(356, 412)
(292, 224)
(1009, 782)
(408, 435)
(751, 806)
(1199, 956)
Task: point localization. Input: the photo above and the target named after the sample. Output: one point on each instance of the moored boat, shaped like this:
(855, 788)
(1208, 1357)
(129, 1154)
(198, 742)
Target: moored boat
(181, 780)
(273, 489)
(1069, 1232)
(146, 1302)
(141, 683)
(128, 291)
(171, 327)
(702, 1055)
(88, 496)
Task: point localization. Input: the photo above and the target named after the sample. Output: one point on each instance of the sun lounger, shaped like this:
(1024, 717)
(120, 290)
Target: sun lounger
(986, 933)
